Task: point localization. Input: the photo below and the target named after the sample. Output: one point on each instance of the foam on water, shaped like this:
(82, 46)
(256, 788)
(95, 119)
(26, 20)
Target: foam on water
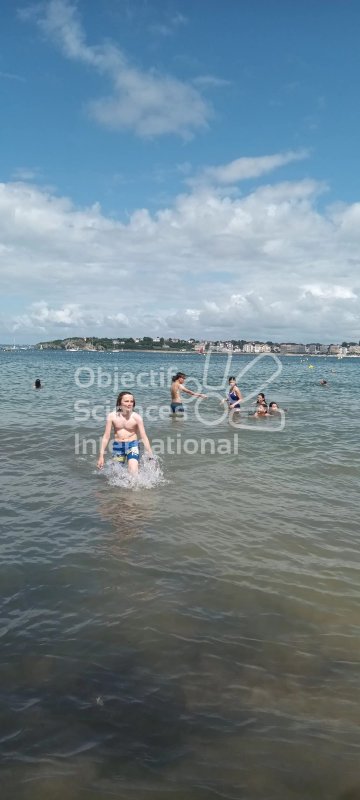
(150, 474)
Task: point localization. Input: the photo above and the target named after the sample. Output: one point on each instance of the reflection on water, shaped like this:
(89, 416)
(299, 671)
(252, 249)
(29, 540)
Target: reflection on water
(195, 635)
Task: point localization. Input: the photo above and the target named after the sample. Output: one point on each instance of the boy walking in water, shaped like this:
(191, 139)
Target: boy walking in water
(176, 388)
(128, 429)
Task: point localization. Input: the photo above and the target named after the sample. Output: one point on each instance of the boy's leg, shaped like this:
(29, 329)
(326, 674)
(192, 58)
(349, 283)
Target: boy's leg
(133, 466)
(133, 458)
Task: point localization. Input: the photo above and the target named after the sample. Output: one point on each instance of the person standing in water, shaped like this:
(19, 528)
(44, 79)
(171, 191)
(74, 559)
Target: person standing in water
(128, 429)
(234, 395)
(176, 388)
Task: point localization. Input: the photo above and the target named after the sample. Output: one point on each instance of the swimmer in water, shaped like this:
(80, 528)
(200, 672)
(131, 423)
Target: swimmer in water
(261, 411)
(128, 430)
(176, 388)
(323, 382)
(37, 384)
(234, 395)
(260, 400)
(274, 408)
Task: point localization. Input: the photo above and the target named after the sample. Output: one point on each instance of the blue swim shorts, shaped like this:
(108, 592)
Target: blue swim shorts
(124, 451)
(175, 407)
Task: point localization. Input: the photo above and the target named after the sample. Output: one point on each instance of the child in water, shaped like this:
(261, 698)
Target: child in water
(274, 408)
(261, 411)
(260, 400)
(128, 429)
(233, 396)
(176, 388)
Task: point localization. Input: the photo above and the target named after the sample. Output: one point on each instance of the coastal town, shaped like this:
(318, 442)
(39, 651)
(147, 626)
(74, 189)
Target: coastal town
(159, 343)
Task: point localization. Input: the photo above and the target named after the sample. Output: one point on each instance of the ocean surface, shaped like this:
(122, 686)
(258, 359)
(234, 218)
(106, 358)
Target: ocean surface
(195, 634)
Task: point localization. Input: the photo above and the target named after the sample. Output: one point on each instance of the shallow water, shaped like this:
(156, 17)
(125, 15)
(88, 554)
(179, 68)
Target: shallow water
(196, 634)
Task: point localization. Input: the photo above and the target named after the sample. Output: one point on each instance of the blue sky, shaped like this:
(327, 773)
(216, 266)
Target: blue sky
(197, 162)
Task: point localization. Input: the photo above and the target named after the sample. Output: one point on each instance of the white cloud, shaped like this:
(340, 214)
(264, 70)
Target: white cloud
(244, 168)
(11, 76)
(168, 27)
(25, 174)
(268, 264)
(179, 19)
(149, 103)
(70, 317)
(329, 292)
(210, 80)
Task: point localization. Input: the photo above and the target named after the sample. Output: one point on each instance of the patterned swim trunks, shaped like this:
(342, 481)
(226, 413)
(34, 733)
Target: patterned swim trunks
(124, 451)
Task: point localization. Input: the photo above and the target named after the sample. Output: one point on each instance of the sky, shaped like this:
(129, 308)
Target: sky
(182, 169)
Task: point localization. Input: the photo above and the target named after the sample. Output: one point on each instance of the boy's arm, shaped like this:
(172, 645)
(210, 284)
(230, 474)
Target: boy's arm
(105, 441)
(143, 436)
(195, 394)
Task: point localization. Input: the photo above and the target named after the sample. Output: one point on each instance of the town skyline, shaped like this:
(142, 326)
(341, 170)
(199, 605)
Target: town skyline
(161, 344)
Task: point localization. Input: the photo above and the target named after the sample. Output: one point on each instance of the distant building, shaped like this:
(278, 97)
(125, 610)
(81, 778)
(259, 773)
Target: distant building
(292, 349)
(259, 347)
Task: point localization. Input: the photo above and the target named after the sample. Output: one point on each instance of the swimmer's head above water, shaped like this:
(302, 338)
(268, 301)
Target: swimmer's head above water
(261, 410)
(260, 400)
(37, 384)
(125, 401)
(180, 376)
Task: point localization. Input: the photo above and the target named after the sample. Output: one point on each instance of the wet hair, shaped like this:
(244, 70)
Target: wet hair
(232, 378)
(177, 376)
(261, 402)
(120, 397)
(38, 383)
(262, 408)
(273, 403)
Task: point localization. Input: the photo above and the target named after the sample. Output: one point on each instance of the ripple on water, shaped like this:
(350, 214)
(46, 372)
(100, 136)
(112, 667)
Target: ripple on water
(196, 640)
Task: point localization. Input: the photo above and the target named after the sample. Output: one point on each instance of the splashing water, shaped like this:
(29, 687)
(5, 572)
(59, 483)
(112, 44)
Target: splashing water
(150, 474)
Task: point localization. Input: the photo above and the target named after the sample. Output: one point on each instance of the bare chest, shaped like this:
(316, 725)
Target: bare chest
(121, 423)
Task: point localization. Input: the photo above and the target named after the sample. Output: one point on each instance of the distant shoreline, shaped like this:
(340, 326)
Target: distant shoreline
(178, 353)
(195, 353)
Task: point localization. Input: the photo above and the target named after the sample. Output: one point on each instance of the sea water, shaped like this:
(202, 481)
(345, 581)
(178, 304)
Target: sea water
(193, 633)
